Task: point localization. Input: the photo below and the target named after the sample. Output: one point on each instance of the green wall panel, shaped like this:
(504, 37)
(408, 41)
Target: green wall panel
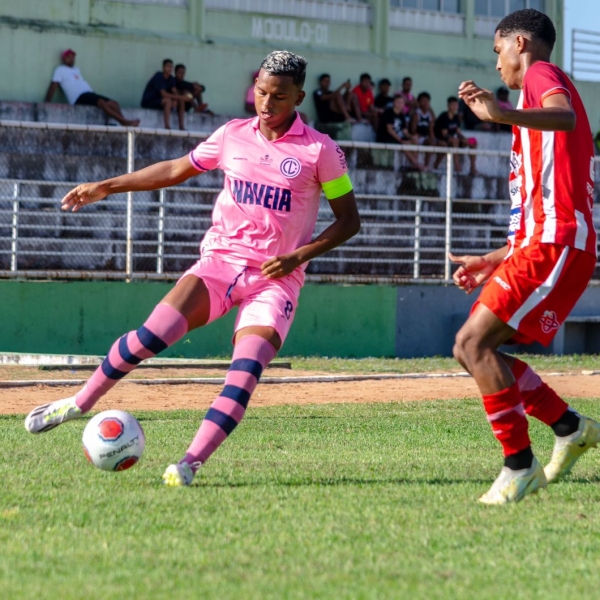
(86, 317)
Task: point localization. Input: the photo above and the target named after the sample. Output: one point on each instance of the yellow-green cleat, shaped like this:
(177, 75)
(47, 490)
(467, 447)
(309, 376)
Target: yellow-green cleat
(569, 448)
(48, 416)
(512, 486)
(179, 475)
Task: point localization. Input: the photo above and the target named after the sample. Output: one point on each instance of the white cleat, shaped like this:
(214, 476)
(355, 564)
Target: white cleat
(180, 475)
(513, 486)
(48, 416)
(569, 448)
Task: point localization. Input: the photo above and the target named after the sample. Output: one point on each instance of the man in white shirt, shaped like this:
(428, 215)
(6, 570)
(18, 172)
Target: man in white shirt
(78, 90)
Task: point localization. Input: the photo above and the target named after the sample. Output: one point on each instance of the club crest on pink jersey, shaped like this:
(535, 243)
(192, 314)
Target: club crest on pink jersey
(110, 429)
(290, 167)
(549, 321)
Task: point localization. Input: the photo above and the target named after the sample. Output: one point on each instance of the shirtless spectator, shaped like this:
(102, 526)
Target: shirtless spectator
(78, 90)
(332, 106)
(393, 129)
(362, 101)
(409, 100)
(421, 123)
(447, 132)
(161, 94)
(191, 91)
(383, 100)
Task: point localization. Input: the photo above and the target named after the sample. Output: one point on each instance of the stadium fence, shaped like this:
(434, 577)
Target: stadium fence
(410, 219)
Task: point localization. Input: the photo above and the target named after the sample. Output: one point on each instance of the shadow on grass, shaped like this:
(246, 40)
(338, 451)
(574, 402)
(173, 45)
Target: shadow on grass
(342, 481)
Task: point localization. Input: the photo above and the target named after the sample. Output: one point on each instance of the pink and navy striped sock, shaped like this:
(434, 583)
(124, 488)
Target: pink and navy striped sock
(163, 328)
(250, 356)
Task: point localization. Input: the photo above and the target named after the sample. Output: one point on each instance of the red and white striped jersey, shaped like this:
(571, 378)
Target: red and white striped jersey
(551, 178)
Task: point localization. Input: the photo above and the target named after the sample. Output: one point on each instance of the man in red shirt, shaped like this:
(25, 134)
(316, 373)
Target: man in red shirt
(363, 100)
(534, 281)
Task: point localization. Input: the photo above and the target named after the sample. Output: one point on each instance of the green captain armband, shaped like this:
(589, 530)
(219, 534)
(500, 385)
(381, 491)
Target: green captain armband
(338, 187)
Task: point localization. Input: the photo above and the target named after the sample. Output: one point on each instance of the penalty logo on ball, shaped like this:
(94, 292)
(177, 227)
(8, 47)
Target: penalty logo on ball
(113, 440)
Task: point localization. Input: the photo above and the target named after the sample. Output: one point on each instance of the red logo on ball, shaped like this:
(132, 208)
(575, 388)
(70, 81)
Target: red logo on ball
(110, 429)
(126, 463)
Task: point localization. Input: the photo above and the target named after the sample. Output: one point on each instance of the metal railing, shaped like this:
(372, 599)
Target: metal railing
(410, 220)
(585, 54)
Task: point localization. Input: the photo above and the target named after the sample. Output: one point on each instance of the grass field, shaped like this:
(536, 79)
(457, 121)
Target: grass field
(336, 501)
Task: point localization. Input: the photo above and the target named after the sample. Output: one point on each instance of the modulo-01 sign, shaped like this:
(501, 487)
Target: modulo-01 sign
(288, 30)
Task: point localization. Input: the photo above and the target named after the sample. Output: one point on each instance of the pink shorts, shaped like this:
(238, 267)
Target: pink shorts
(262, 302)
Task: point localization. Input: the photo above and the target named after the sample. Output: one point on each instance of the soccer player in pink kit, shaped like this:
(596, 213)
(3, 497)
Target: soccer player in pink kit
(254, 255)
(533, 282)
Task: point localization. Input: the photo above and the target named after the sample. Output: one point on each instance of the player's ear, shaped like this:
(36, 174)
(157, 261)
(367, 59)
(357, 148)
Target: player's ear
(522, 43)
(300, 98)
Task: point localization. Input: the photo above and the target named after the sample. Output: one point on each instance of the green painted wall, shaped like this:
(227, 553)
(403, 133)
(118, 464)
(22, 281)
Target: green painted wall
(120, 45)
(86, 318)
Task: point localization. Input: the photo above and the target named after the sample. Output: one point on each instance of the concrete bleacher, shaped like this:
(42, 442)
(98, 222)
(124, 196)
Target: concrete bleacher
(41, 112)
(77, 156)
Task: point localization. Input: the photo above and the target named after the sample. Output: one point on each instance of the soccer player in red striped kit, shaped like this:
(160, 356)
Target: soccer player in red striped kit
(533, 282)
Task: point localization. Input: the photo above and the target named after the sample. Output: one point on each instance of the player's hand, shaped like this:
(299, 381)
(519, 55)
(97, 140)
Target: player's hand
(83, 194)
(481, 101)
(280, 266)
(473, 271)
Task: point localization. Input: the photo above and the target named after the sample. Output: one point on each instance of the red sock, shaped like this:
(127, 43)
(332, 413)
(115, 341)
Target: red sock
(539, 399)
(506, 416)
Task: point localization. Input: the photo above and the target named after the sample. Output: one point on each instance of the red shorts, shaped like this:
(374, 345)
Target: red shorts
(534, 290)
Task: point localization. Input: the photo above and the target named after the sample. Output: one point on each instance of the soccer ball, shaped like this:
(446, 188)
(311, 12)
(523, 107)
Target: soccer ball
(113, 440)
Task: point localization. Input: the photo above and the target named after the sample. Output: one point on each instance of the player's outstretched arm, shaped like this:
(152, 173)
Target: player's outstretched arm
(475, 270)
(154, 177)
(556, 113)
(346, 225)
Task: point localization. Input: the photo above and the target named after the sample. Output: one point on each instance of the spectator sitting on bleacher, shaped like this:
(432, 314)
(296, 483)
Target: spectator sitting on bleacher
(331, 106)
(447, 132)
(470, 120)
(409, 100)
(191, 91)
(504, 103)
(161, 94)
(362, 101)
(249, 105)
(393, 129)
(421, 123)
(383, 100)
(78, 90)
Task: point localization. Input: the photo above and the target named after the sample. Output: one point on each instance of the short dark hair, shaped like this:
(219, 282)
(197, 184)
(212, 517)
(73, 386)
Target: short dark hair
(407, 79)
(286, 64)
(529, 21)
(323, 75)
(385, 81)
(451, 99)
(166, 61)
(179, 66)
(365, 76)
(424, 95)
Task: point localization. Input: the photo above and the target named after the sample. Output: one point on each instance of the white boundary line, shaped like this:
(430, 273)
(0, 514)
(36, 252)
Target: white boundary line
(266, 380)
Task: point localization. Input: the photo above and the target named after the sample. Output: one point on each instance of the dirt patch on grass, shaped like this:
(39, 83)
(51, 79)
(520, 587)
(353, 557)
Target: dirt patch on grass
(132, 397)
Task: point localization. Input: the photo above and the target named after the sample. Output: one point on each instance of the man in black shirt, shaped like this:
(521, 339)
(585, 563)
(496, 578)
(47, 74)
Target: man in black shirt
(393, 129)
(332, 106)
(161, 94)
(191, 91)
(447, 132)
(383, 100)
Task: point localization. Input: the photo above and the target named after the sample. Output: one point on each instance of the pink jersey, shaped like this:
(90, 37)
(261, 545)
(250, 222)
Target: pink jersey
(552, 172)
(270, 199)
